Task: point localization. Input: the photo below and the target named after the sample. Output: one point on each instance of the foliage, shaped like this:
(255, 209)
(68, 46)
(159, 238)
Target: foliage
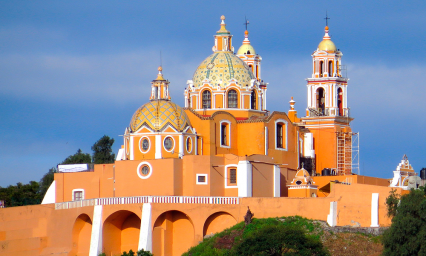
(275, 240)
(392, 203)
(271, 236)
(407, 233)
(21, 194)
(78, 158)
(46, 181)
(141, 252)
(102, 151)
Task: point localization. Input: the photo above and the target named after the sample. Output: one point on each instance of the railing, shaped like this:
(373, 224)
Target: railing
(148, 199)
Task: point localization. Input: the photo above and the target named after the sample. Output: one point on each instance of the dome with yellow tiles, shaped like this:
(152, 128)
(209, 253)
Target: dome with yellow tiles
(220, 68)
(326, 43)
(157, 114)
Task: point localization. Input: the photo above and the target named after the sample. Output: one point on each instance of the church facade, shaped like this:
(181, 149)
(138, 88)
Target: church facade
(186, 172)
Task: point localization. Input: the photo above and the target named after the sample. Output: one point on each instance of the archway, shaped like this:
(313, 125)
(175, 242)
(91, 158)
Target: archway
(121, 232)
(217, 222)
(173, 234)
(81, 234)
(340, 101)
(321, 100)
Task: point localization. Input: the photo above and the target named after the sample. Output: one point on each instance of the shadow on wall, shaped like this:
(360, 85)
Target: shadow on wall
(173, 233)
(121, 232)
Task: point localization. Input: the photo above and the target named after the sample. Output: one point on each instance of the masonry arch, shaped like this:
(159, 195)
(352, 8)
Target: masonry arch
(173, 233)
(217, 222)
(121, 232)
(81, 234)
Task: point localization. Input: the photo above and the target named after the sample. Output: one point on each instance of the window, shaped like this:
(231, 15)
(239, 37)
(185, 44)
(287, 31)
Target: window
(189, 144)
(321, 68)
(201, 179)
(281, 134)
(330, 68)
(144, 170)
(168, 143)
(225, 133)
(253, 99)
(340, 101)
(232, 99)
(78, 194)
(233, 176)
(321, 100)
(207, 99)
(144, 144)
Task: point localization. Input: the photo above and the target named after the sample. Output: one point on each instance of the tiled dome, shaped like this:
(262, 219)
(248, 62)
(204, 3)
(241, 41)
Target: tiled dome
(220, 67)
(156, 114)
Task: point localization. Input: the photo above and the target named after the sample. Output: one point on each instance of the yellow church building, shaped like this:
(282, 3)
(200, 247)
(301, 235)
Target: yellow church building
(186, 172)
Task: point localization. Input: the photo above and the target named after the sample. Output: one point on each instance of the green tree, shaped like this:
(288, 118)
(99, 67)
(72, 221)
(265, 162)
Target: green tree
(407, 234)
(21, 194)
(46, 181)
(78, 158)
(102, 151)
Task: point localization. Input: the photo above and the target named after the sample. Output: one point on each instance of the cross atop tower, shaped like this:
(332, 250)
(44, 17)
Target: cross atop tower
(246, 23)
(326, 18)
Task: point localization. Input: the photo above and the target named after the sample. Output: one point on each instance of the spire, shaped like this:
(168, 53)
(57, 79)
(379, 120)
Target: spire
(160, 87)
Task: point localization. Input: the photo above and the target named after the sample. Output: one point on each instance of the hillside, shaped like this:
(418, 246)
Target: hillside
(288, 236)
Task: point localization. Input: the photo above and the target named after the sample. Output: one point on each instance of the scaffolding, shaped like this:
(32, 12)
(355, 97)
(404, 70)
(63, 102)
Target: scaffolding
(347, 153)
(355, 153)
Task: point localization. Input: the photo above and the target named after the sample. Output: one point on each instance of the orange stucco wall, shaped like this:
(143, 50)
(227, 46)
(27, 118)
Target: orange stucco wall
(42, 230)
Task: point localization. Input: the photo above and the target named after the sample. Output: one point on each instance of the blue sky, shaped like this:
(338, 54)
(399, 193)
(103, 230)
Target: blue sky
(72, 71)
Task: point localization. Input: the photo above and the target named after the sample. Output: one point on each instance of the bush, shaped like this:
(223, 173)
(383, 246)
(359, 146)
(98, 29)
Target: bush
(271, 236)
(275, 240)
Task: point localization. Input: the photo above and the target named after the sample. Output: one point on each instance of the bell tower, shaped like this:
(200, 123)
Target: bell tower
(327, 113)
(327, 88)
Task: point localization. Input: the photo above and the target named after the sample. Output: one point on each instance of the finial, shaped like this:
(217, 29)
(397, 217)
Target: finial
(292, 102)
(160, 73)
(223, 26)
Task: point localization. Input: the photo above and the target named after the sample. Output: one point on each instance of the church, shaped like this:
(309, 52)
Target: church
(185, 172)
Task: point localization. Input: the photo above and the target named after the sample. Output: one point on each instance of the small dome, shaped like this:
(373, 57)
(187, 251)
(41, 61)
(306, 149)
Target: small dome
(246, 49)
(327, 45)
(220, 67)
(156, 114)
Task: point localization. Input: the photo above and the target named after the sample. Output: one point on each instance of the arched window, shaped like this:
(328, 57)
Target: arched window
(207, 103)
(321, 68)
(340, 101)
(232, 99)
(253, 99)
(321, 100)
(330, 68)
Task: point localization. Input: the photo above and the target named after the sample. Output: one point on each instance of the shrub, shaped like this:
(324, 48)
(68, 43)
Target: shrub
(275, 240)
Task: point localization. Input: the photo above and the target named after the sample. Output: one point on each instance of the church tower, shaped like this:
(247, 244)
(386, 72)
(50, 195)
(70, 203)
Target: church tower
(327, 114)
(247, 53)
(327, 88)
